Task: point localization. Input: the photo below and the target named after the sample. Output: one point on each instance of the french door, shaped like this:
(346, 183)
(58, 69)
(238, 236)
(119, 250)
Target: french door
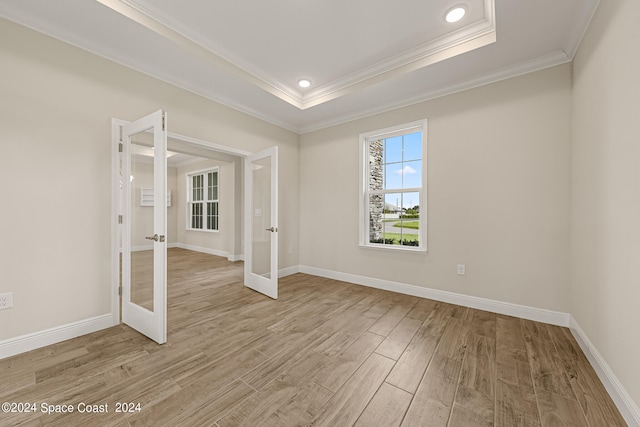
(261, 222)
(144, 247)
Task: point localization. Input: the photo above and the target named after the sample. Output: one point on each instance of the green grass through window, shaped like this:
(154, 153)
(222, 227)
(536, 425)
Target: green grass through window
(408, 224)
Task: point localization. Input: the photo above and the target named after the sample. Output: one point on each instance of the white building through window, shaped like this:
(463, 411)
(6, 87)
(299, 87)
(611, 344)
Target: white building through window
(203, 203)
(393, 182)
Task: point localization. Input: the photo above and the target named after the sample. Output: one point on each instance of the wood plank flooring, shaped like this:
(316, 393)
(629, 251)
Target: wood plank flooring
(326, 353)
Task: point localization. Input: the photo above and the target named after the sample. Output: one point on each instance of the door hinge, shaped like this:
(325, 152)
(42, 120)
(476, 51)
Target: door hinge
(163, 125)
(119, 219)
(120, 147)
(120, 290)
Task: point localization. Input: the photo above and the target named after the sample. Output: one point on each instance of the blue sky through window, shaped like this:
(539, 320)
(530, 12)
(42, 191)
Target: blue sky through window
(402, 168)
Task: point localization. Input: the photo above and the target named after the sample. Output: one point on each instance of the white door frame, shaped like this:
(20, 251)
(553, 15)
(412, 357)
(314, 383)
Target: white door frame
(116, 202)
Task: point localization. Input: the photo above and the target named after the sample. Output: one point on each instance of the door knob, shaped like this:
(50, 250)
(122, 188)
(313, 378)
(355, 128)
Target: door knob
(154, 237)
(272, 229)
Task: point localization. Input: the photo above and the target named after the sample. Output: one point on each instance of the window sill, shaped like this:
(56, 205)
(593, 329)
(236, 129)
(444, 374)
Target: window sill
(394, 248)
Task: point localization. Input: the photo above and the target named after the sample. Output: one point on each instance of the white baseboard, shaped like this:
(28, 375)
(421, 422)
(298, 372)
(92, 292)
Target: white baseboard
(216, 252)
(525, 312)
(149, 247)
(29, 342)
(627, 407)
(284, 272)
(209, 251)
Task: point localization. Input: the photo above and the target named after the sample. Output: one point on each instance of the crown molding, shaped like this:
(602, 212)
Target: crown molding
(540, 63)
(584, 21)
(336, 88)
(133, 12)
(463, 40)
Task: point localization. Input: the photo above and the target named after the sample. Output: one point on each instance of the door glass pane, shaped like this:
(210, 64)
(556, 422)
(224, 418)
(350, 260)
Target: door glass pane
(141, 221)
(261, 217)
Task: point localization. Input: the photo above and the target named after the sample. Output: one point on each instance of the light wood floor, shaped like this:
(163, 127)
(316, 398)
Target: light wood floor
(326, 353)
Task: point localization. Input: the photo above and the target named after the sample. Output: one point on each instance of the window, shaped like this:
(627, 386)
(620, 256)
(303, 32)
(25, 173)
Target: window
(202, 206)
(393, 181)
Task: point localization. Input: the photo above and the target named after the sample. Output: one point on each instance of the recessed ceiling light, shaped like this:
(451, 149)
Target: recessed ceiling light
(304, 83)
(455, 14)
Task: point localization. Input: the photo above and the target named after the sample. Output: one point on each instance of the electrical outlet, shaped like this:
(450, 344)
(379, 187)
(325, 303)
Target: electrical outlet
(290, 250)
(6, 300)
(461, 269)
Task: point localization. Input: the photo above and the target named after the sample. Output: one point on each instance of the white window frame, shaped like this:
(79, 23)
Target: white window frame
(205, 201)
(364, 192)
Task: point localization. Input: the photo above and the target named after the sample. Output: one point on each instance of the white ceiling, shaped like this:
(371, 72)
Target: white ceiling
(362, 56)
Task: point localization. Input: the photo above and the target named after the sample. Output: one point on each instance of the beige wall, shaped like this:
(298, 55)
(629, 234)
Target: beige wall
(533, 186)
(605, 285)
(55, 171)
(498, 194)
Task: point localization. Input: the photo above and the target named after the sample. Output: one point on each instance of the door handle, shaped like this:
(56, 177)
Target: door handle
(272, 229)
(154, 237)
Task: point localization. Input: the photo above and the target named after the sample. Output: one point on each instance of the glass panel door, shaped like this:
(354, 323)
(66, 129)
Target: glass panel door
(144, 260)
(261, 222)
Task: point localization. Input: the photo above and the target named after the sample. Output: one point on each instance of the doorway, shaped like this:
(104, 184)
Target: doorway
(203, 206)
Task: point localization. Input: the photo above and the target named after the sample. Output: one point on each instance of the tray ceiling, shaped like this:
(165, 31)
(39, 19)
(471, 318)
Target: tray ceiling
(361, 56)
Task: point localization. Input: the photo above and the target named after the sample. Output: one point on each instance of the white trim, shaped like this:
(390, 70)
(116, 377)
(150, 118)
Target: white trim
(209, 251)
(139, 15)
(517, 310)
(545, 61)
(364, 191)
(203, 171)
(584, 18)
(205, 198)
(116, 227)
(561, 56)
(149, 247)
(627, 407)
(467, 38)
(209, 145)
(203, 250)
(28, 342)
(284, 272)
